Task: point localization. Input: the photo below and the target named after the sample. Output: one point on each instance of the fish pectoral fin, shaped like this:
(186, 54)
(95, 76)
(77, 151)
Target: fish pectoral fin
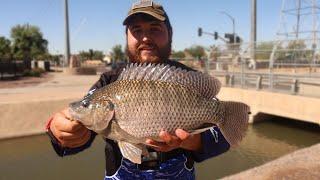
(130, 151)
(99, 126)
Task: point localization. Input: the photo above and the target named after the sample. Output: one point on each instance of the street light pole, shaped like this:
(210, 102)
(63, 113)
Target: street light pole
(67, 40)
(234, 46)
(233, 25)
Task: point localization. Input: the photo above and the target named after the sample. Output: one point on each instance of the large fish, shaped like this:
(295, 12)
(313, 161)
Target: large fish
(148, 98)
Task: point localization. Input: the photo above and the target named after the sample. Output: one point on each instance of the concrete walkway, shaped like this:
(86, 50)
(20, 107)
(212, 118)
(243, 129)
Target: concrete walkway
(24, 111)
(60, 87)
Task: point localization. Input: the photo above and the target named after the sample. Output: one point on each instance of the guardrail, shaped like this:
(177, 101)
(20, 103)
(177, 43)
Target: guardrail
(276, 79)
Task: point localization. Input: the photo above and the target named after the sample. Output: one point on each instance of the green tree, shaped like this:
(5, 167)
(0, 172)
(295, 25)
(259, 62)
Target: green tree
(84, 55)
(97, 55)
(117, 53)
(91, 52)
(178, 55)
(215, 52)
(264, 50)
(5, 49)
(296, 44)
(55, 58)
(28, 42)
(91, 55)
(280, 53)
(296, 49)
(196, 51)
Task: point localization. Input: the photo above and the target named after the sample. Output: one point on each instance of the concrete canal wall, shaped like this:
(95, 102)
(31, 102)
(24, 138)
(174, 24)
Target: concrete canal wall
(27, 118)
(284, 105)
(24, 111)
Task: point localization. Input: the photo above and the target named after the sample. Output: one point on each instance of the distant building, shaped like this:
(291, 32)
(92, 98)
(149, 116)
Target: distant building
(93, 62)
(107, 59)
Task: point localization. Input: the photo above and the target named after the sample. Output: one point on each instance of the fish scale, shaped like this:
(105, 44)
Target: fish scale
(175, 107)
(147, 99)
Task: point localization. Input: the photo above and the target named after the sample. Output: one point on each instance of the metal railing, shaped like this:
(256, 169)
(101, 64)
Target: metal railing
(293, 68)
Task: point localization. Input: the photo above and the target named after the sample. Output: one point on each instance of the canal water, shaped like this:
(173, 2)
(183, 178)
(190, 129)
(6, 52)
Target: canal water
(33, 158)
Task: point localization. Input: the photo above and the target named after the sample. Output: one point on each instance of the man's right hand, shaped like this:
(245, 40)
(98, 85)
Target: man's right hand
(69, 133)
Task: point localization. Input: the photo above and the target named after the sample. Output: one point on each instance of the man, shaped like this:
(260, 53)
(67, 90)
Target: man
(149, 36)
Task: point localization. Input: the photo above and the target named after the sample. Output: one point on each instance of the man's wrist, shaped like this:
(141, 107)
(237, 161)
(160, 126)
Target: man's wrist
(193, 144)
(49, 132)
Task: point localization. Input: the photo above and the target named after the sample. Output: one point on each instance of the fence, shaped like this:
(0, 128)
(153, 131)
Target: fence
(9, 69)
(286, 66)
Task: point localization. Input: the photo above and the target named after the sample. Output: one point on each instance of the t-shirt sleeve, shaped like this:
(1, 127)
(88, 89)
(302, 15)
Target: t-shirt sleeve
(213, 143)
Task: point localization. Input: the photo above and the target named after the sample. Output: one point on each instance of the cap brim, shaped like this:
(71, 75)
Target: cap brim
(155, 15)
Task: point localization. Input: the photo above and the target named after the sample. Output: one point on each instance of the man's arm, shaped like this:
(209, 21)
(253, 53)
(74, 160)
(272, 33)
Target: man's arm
(64, 151)
(70, 137)
(213, 144)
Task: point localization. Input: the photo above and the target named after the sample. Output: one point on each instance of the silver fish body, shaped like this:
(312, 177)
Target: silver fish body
(148, 99)
(144, 108)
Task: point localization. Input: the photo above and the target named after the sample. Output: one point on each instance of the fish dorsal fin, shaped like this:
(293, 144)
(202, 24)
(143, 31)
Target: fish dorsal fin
(204, 84)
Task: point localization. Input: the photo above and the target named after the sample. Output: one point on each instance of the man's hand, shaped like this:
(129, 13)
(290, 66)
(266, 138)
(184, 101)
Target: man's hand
(181, 139)
(68, 132)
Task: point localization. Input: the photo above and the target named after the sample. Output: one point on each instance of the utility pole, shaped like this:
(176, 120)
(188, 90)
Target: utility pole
(314, 29)
(67, 40)
(298, 18)
(253, 37)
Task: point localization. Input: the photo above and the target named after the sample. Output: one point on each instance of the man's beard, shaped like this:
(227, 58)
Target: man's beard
(161, 54)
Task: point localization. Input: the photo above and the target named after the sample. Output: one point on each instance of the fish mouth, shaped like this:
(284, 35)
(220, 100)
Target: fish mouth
(74, 105)
(74, 114)
(76, 110)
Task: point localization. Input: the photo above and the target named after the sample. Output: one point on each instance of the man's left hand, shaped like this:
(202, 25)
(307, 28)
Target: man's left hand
(181, 139)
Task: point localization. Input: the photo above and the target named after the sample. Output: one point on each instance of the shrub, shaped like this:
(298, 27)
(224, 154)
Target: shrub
(35, 72)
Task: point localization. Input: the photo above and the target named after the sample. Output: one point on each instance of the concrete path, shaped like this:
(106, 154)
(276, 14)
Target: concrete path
(60, 87)
(24, 111)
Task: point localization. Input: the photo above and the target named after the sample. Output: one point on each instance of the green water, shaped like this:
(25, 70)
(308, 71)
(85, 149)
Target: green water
(33, 158)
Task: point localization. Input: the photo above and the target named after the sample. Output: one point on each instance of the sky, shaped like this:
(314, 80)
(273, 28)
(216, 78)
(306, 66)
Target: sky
(97, 24)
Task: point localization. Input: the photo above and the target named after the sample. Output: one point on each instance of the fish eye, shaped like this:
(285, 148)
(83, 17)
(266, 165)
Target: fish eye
(110, 105)
(85, 103)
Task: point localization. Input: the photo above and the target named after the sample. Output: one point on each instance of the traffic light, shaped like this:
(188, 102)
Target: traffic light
(199, 32)
(216, 35)
(231, 38)
(238, 39)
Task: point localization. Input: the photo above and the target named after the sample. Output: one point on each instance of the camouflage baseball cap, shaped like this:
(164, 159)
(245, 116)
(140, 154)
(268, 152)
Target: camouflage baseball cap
(146, 7)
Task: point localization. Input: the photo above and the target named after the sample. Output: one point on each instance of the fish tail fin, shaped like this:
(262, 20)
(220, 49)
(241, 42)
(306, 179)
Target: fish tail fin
(233, 121)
